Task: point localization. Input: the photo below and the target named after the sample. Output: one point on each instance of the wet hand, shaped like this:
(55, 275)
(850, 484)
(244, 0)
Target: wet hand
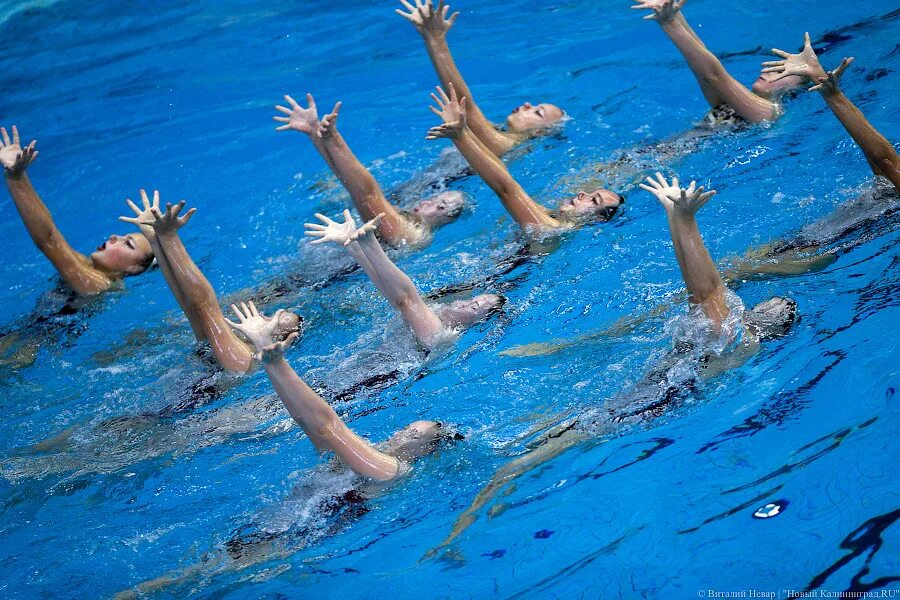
(13, 157)
(828, 83)
(332, 231)
(168, 222)
(675, 199)
(430, 21)
(259, 330)
(305, 120)
(366, 229)
(328, 124)
(144, 215)
(805, 64)
(663, 10)
(452, 111)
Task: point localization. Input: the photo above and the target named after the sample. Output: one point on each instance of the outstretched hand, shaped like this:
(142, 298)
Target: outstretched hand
(328, 124)
(143, 216)
(169, 221)
(13, 157)
(305, 120)
(452, 111)
(430, 21)
(366, 229)
(828, 83)
(675, 199)
(805, 64)
(259, 329)
(663, 10)
(332, 231)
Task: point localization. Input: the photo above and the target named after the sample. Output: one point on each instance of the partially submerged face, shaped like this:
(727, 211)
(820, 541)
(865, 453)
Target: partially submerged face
(418, 439)
(532, 117)
(598, 205)
(440, 209)
(462, 313)
(766, 85)
(288, 323)
(125, 254)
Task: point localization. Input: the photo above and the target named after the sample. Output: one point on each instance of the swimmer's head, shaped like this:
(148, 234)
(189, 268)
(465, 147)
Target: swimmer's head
(766, 85)
(597, 205)
(440, 209)
(288, 323)
(772, 318)
(418, 439)
(462, 313)
(532, 117)
(129, 254)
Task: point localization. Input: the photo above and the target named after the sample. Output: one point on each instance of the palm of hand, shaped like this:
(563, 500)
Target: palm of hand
(9, 155)
(259, 330)
(305, 120)
(340, 233)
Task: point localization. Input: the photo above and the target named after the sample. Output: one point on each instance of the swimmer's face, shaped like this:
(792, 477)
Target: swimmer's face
(415, 440)
(530, 117)
(288, 323)
(599, 204)
(766, 86)
(462, 313)
(440, 209)
(129, 254)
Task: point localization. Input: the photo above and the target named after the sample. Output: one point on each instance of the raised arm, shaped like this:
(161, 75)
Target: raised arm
(74, 267)
(703, 283)
(717, 85)
(432, 24)
(198, 296)
(393, 283)
(142, 217)
(321, 424)
(454, 112)
(880, 153)
(353, 175)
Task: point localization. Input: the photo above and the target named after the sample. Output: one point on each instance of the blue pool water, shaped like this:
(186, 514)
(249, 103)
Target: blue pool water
(127, 457)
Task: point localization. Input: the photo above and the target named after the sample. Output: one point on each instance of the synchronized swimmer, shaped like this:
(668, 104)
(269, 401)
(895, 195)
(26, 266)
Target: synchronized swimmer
(731, 333)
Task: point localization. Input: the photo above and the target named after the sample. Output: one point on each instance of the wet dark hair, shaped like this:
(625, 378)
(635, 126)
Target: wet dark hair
(448, 435)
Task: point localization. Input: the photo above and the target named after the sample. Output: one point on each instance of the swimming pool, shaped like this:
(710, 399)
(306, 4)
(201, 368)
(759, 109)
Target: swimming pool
(126, 457)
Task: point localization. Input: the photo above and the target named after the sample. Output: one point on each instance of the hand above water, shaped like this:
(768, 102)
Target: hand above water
(430, 21)
(169, 222)
(452, 111)
(805, 64)
(143, 216)
(259, 329)
(13, 157)
(332, 231)
(305, 120)
(328, 124)
(677, 200)
(663, 10)
(828, 83)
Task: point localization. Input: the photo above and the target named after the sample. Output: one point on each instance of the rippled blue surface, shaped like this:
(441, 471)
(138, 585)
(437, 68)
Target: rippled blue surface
(178, 97)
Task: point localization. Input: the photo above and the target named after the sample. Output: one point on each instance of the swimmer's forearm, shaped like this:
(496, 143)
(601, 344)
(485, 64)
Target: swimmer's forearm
(698, 270)
(393, 283)
(448, 73)
(363, 188)
(197, 292)
(703, 63)
(324, 427)
(878, 150)
(524, 210)
(172, 281)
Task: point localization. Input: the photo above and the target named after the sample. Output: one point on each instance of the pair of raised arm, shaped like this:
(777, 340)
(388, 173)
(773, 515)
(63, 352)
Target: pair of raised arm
(454, 112)
(394, 228)
(319, 421)
(393, 283)
(882, 157)
(75, 268)
(190, 287)
(432, 23)
(717, 85)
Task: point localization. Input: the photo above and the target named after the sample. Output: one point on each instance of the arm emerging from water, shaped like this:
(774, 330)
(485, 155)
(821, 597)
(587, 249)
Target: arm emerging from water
(326, 430)
(880, 153)
(453, 111)
(432, 24)
(704, 285)
(393, 283)
(75, 268)
(364, 190)
(717, 85)
(200, 301)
